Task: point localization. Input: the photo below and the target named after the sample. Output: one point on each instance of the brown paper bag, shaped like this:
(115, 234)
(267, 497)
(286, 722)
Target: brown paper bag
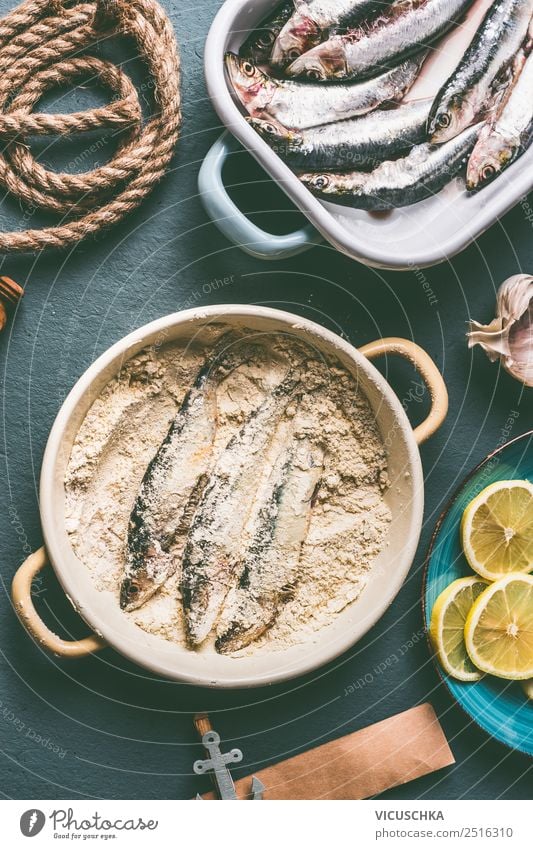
(361, 764)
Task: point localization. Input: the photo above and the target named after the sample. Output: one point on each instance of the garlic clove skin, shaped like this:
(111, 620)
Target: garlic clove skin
(492, 337)
(521, 346)
(509, 336)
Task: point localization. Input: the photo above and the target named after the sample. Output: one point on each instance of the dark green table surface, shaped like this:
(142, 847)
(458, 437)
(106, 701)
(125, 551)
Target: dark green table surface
(101, 727)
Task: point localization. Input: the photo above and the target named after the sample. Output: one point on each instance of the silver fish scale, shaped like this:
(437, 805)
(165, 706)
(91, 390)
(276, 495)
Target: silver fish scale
(258, 45)
(421, 23)
(517, 113)
(421, 174)
(495, 43)
(328, 13)
(358, 142)
(509, 133)
(314, 21)
(470, 88)
(303, 105)
(400, 32)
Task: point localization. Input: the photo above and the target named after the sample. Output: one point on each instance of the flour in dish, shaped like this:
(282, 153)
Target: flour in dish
(296, 528)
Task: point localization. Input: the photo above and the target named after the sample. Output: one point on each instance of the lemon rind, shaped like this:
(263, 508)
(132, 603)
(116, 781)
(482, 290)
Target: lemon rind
(436, 625)
(466, 527)
(473, 619)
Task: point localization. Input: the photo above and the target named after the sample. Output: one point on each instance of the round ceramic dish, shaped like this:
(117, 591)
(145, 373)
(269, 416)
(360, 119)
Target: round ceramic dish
(500, 707)
(100, 610)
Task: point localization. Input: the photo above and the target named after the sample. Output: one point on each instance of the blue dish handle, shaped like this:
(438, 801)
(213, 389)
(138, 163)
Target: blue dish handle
(233, 223)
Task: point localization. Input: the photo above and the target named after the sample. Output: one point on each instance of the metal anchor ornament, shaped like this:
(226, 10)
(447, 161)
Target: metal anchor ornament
(217, 763)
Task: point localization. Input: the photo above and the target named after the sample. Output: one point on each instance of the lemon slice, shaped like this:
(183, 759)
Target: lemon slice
(497, 530)
(499, 628)
(446, 630)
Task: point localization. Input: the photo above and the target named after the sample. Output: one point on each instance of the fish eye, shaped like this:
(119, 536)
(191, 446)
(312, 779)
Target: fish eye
(293, 54)
(321, 182)
(444, 120)
(270, 128)
(266, 39)
(314, 74)
(133, 589)
(248, 69)
(488, 172)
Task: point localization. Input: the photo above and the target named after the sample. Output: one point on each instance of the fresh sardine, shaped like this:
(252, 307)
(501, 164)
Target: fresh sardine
(300, 105)
(312, 22)
(404, 28)
(212, 551)
(356, 143)
(173, 481)
(508, 134)
(469, 91)
(258, 45)
(421, 174)
(270, 567)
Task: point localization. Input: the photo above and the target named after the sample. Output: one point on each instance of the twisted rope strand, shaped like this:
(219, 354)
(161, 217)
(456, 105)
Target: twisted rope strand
(38, 41)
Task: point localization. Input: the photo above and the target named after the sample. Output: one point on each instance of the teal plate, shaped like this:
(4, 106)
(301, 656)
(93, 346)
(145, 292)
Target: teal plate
(500, 707)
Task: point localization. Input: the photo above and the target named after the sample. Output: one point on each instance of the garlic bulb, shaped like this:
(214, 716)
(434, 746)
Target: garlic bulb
(509, 336)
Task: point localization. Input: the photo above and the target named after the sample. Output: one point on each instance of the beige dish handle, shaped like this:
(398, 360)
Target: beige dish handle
(430, 374)
(22, 600)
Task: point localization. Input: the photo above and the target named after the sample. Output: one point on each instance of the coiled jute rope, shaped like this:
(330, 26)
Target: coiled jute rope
(42, 44)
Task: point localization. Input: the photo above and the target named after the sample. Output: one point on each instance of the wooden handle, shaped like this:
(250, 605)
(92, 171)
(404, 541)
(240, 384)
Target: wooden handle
(202, 723)
(431, 375)
(23, 603)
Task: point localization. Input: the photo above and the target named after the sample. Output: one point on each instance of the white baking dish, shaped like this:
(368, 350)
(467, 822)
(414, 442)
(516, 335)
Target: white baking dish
(100, 609)
(411, 237)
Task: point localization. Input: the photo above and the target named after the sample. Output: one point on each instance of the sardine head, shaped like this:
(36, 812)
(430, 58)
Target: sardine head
(448, 118)
(316, 182)
(133, 592)
(298, 35)
(253, 88)
(338, 185)
(275, 133)
(489, 157)
(260, 48)
(325, 62)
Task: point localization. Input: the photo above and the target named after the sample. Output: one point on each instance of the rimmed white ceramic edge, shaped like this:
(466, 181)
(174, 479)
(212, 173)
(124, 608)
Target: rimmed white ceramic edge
(423, 248)
(100, 610)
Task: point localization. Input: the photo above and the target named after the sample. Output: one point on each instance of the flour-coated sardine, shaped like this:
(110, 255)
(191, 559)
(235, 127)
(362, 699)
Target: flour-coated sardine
(213, 548)
(173, 482)
(269, 571)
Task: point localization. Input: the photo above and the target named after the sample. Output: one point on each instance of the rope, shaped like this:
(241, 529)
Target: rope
(39, 46)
